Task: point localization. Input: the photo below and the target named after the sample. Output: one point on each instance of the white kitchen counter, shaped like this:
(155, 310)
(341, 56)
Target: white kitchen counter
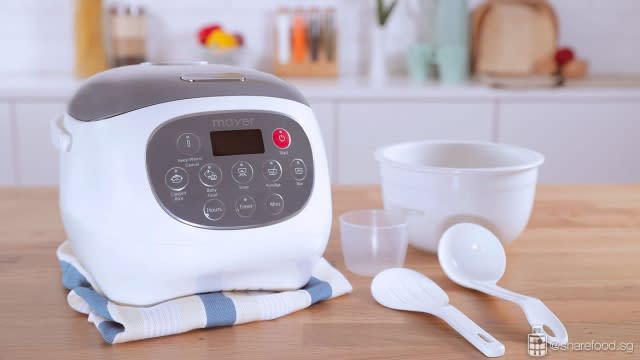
(56, 87)
(402, 89)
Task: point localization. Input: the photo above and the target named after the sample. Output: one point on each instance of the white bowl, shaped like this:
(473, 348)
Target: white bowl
(442, 183)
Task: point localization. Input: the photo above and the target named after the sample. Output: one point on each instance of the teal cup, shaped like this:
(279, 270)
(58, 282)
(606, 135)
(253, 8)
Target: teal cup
(419, 60)
(453, 64)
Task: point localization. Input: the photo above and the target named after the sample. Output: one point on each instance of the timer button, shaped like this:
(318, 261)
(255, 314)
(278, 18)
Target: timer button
(213, 209)
(176, 178)
(281, 138)
(298, 169)
(272, 170)
(210, 175)
(242, 172)
(245, 206)
(188, 143)
(275, 204)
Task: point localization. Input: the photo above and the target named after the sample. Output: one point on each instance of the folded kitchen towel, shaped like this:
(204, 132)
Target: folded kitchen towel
(120, 323)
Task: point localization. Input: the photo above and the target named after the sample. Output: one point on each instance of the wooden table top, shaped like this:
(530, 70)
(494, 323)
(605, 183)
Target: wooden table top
(580, 255)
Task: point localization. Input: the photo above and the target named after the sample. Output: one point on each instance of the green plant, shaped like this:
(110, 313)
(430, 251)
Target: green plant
(384, 11)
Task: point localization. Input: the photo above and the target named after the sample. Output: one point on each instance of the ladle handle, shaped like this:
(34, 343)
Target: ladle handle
(537, 313)
(474, 334)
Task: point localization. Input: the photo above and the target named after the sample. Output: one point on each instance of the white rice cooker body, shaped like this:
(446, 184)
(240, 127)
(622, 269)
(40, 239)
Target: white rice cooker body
(144, 238)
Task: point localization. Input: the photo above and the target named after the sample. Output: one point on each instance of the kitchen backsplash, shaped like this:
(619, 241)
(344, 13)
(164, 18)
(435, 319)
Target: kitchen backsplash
(36, 36)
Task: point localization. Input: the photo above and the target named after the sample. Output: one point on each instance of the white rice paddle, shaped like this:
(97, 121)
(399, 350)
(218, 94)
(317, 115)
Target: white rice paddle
(473, 257)
(404, 289)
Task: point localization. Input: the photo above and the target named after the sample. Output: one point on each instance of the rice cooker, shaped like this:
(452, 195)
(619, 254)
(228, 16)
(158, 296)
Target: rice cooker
(184, 179)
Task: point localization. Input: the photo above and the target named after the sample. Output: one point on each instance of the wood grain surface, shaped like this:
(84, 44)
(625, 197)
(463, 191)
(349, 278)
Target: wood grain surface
(580, 255)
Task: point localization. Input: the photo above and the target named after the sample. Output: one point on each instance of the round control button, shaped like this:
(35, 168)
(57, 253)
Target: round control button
(176, 178)
(188, 143)
(245, 206)
(210, 175)
(272, 170)
(213, 209)
(275, 204)
(242, 172)
(298, 169)
(281, 138)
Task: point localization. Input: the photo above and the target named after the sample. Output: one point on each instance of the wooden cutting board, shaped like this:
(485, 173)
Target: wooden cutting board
(509, 36)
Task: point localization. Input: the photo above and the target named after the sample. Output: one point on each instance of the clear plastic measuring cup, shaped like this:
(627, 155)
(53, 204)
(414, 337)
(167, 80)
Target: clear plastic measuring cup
(373, 240)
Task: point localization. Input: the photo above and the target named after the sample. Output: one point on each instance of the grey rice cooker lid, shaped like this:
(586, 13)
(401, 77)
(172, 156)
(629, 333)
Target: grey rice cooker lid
(124, 89)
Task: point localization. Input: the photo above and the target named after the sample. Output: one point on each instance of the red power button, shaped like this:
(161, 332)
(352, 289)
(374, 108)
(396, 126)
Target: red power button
(281, 138)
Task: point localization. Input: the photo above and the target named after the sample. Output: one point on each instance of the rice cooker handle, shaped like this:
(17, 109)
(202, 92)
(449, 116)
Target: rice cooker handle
(60, 137)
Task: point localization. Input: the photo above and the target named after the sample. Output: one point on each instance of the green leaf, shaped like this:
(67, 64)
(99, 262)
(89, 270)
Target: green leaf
(383, 11)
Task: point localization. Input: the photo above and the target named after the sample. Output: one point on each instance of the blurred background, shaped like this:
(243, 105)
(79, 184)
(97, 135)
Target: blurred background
(560, 76)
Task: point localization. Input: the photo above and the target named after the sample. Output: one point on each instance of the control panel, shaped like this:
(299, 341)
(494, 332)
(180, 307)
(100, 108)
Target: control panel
(228, 170)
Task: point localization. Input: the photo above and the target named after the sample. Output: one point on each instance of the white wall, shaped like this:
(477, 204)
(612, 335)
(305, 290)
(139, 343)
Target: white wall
(36, 36)
(605, 32)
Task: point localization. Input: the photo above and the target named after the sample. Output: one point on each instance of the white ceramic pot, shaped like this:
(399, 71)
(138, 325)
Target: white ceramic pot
(378, 63)
(441, 183)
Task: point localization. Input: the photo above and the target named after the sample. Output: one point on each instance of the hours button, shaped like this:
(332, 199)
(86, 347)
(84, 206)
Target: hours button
(213, 209)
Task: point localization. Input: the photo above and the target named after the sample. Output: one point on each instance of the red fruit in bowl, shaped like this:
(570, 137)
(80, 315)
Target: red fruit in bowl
(239, 39)
(564, 55)
(205, 31)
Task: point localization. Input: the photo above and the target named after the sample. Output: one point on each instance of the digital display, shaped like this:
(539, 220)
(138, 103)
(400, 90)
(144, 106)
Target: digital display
(237, 142)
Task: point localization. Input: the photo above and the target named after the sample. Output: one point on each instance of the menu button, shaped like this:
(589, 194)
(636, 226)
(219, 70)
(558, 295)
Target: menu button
(275, 204)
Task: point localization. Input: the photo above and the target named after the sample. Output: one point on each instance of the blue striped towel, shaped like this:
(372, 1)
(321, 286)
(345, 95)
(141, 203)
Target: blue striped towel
(119, 323)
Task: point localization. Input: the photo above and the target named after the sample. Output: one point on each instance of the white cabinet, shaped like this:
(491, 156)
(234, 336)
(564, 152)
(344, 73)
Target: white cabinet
(325, 113)
(586, 138)
(583, 142)
(7, 171)
(363, 127)
(37, 159)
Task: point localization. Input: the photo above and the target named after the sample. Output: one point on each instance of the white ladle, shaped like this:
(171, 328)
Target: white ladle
(473, 257)
(404, 289)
